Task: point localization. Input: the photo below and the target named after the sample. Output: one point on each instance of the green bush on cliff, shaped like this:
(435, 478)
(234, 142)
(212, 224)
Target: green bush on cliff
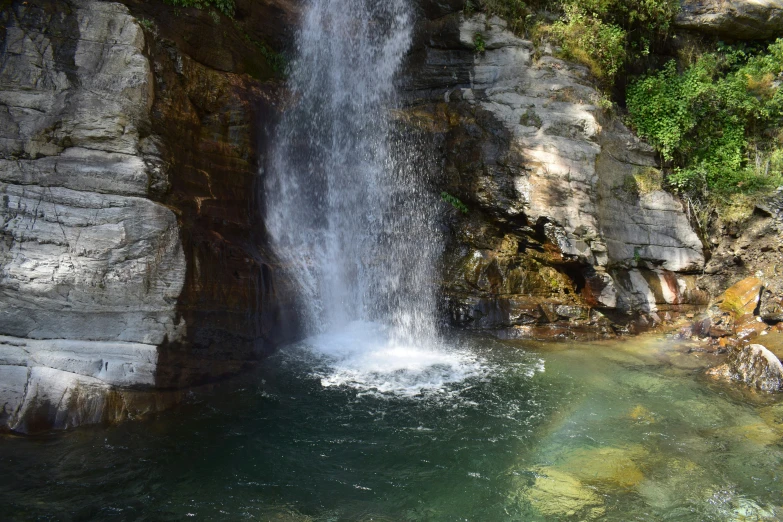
(717, 123)
(607, 34)
(602, 34)
(587, 39)
(515, 12)
(224, 6)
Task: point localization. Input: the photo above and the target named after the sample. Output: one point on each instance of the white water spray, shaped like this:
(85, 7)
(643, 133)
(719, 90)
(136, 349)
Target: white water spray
(349, 207)
(348, 210)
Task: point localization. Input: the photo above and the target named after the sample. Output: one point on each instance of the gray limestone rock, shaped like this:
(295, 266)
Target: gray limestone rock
(737, 19)
(90, 269)
(575, 167)
(64, 383)
(542, 166)
(755, 366)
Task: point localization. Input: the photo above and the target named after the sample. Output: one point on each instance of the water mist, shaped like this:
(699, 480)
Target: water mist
(348, 212)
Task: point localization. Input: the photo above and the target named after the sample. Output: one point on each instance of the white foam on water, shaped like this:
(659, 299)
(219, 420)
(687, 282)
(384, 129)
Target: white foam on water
(364, 356)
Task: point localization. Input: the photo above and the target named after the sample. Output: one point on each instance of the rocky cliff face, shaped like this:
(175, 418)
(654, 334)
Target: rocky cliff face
(559, 239)
(131, 255)
(734, 19)
(753, 248)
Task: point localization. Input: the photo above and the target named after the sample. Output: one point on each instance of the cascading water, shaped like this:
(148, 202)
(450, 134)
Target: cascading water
(349, 212)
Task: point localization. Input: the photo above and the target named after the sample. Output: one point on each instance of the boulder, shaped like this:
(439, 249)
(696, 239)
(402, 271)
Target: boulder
(564, 497)
(734, 19)
(748, 327)
(742, 298)
(753, 365)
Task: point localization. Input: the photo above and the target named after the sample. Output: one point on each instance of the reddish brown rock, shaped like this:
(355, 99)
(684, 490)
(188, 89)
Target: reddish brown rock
(748, 327)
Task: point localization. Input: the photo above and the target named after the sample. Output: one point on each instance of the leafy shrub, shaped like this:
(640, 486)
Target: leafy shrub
(587, 39)
(454, 202)
(478, 43)
(602, 34)
(224, 6)
(717, 123)
(607, 34)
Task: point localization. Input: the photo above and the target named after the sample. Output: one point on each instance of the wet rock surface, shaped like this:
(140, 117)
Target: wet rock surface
(132, 153)
(563, 496)
(732, 324)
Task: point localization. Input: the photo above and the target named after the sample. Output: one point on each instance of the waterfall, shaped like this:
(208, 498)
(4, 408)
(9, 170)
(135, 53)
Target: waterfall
(348, 209)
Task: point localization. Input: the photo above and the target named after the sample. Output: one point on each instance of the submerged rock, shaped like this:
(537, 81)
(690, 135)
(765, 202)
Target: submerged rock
(773, 417)
(613, 467)
(642, 415)
(558, 494)
(756, 432)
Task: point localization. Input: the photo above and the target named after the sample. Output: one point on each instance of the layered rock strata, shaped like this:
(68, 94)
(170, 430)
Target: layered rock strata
(130, 253)
(558, 238)
(734, 19)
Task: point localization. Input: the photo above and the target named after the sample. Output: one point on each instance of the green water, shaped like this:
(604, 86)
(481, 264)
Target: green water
(631, 430)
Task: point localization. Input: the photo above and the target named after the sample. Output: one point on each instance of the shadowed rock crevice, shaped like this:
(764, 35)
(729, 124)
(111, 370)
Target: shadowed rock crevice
(212, 128)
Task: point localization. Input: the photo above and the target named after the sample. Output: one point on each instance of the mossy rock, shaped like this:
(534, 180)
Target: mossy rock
(741, 298)
(562, 496)
(614, 467)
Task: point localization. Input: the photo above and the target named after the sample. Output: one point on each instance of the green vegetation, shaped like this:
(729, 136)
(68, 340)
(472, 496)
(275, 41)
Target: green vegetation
(530, 119)
(273, 58)
(224, 6)
(644, 181)
(717, 123)
(715, 115)
(276, 60)
(517, 13)
(478, 43)
(604, 35)
(454, 202)
(587, 39)
(149, 25)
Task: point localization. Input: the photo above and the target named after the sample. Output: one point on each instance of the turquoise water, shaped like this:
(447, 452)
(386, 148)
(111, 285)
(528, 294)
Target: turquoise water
(481, 431)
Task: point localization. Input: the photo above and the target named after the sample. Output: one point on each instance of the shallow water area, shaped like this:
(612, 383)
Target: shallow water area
(357, 426)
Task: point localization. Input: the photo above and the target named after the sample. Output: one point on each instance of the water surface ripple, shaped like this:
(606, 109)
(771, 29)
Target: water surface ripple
(484, 431)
